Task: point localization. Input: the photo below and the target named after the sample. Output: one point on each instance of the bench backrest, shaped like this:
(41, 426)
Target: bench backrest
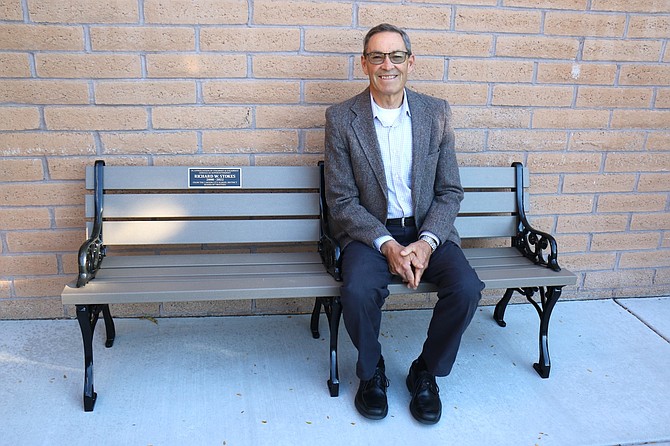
(180, 205)
(155, 205)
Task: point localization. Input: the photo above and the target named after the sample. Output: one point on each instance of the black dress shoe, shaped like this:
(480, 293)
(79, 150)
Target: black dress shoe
(370, 399)
(425, 406)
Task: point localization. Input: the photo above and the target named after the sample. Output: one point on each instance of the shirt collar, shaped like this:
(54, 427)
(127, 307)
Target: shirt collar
(404, 108)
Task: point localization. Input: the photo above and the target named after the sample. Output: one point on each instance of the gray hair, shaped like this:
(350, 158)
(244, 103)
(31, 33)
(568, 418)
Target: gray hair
(385, 27)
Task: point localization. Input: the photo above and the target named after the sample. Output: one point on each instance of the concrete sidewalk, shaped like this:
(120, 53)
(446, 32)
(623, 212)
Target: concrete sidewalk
(262, 381)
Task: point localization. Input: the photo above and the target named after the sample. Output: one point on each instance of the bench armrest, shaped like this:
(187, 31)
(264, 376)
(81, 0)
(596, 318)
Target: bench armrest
(329, 250)
(528, 240)
(92, 251)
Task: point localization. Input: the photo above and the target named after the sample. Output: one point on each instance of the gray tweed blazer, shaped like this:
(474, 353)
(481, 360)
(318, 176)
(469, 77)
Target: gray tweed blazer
(356, 190)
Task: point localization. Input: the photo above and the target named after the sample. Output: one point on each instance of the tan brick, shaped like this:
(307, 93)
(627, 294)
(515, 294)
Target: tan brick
(628, 6)
(51, 240)
(654, 182)
(41, 37)
(490, 70)
(96, 118)
(145, 92)
(547, 4)
(299, 117)
(271, 12)
(591, 223)
(643, 259)
(334, 40)
(325, 92)
(562, 204)
(74, 66)
(584, 24)
(551, 118)
(564, 162)
(576, 73)
(405, 16)
(202, 12)
(622, 50)
(144, 38)
(456, 94)
(574, 183)
(587, 261)
(11, 10)
(489, 158)
(14, 65)
(666, 56)
(149, 143)
(28, 265)
(572, 243)
(69, 167)
(29, 218)
(207, 308)
(41, 194)
(662, 98)
(451, 45)
(30, 91)
(288, 160)
(70, 217)
(314, 141)
(644, 75)
(544, 183)
(470, 140)
(70, 261)
(425, 69)
(631, 202)
(4, 295)
(650, 222)
(649, 26)
(202, 160)
(19, 118)
(498, 117)
(40, 287)
(531, 95)
(25, 169)
(527, 140)
(640, 119)
(209, 117)
(255, 92)
(537, 47)
(618, 279)
(620, 241)
(658, 141)
(250, 141)
(252, 39)
(40, 308)
(498, 20)
(588, 96)
(606, 141)
(84, 11)
(300, 67)
(662, 276)
(46, 143)
(635, 162)
(196, 65)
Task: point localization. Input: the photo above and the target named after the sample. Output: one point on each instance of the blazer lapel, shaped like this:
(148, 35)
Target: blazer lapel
(421, 124)
(364, 129)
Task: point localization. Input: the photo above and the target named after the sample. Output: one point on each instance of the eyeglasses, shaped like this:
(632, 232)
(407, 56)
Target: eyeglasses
(377, 58)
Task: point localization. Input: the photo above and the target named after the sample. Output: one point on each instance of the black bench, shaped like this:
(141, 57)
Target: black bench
(187, 216)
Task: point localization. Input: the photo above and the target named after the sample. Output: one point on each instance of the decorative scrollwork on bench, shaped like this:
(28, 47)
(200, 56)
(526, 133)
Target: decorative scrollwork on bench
(537, 246)
(91, 254)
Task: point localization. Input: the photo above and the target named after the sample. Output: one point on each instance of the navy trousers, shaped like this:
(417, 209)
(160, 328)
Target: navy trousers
(365, 288)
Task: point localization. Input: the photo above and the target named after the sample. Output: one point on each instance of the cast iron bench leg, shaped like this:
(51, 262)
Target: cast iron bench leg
(334, 319)
(549, 299)
(499, 312)
(87, 317)
(109, 326)
(316, 312)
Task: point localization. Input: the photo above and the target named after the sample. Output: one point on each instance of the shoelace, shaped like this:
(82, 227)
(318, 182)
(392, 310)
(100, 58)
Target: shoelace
(426, 382)
(380, 379)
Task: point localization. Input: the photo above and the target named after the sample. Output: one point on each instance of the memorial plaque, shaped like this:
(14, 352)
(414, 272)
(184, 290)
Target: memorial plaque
(212, 178)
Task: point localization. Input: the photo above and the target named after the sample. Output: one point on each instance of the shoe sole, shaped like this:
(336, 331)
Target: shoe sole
(371, 416)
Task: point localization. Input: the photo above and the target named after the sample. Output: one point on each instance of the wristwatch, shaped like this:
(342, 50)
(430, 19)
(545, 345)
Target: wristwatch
(431, 242)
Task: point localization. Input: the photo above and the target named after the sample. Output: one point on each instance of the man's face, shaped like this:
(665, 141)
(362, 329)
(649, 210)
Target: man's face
(388, 79)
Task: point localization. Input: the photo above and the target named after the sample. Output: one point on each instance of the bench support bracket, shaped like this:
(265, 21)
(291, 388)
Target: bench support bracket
(88, 315)
(548, 298)
(333, 309)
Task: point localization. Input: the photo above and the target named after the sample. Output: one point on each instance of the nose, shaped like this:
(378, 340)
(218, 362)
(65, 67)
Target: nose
(387, 64)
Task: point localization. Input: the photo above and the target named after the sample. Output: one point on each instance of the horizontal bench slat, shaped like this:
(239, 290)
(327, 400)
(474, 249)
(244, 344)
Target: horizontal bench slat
(170, 232)
(266, 258)
(482, 226)
(188, 272)
(490, 177)
(176, 177)
(207, 205)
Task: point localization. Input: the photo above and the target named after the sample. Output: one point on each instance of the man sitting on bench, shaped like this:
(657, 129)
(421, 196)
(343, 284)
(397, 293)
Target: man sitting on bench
(393, 189)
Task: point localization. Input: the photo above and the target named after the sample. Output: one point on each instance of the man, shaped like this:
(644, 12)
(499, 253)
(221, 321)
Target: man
(393, 189)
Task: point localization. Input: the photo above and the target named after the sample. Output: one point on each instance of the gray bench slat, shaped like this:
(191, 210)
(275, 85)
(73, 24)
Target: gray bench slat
(176, 177)
(207, 205)
(190, 272)
(210, 232)
(266, 258)
(490, 177)
(486, 226)
(485, 202)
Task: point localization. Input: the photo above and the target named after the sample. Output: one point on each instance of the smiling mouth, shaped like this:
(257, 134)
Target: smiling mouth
(388, 76)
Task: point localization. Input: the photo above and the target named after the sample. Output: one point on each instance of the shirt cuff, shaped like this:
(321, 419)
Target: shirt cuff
(378, 242)
(431, 235)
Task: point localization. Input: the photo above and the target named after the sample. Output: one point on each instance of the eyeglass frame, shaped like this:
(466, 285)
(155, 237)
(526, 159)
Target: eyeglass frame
(406, 53)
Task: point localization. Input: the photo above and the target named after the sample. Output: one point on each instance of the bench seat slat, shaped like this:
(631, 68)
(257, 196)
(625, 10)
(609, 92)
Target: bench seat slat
(266, 258)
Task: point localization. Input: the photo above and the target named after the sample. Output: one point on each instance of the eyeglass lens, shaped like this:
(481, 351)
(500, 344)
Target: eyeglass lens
(377, 58)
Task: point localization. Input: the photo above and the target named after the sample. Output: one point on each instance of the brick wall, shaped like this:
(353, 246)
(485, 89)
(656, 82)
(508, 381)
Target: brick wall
(576, 89)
